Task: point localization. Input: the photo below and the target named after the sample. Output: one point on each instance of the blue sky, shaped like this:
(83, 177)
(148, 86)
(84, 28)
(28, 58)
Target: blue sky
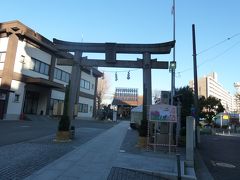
(143, 21)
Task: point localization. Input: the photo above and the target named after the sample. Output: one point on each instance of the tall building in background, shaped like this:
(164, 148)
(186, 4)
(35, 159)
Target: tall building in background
(209, 86)
(237, 100)
(31, 82)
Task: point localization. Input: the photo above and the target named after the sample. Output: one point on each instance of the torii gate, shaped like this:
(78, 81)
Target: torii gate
(111, 49)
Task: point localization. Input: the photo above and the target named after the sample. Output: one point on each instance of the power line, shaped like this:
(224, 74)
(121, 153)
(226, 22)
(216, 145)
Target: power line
(220, 54)
(217, 56)
(217, 44)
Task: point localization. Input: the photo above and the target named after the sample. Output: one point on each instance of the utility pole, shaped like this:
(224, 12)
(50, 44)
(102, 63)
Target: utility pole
(172, 70)
(195, 84)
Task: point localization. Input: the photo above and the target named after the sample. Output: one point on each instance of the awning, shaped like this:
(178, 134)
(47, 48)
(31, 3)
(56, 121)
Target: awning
(44, 82)
(2, 89)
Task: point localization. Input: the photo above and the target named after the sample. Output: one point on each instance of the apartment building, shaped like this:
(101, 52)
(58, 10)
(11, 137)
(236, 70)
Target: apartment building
(31, 81)
(209, 86)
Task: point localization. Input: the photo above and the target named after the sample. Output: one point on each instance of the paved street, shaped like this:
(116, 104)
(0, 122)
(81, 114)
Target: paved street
(221, 156)
(28, 146)
(12, 132)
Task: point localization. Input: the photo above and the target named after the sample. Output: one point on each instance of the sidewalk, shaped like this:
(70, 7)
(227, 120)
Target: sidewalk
(95, 159)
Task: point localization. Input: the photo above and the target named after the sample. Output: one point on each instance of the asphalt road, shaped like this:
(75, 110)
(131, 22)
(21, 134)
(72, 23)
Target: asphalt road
(12, 132)
(221, 156)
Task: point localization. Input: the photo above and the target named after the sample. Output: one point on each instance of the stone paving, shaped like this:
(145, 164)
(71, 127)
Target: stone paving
(20, 160)
(118, 173)
(102, 155)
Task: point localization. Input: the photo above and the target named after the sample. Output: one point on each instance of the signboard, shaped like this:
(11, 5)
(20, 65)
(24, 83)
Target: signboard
(163, 113)
(225, 117)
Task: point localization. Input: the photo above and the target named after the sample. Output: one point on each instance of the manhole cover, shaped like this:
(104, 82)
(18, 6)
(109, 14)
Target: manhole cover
(221, 164)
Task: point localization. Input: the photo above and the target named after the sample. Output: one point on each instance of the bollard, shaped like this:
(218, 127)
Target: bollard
(72, 131)
(190, 140)
(178, 167)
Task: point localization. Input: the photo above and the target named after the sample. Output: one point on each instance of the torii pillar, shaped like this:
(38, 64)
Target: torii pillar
(75, 83)
(147, 84)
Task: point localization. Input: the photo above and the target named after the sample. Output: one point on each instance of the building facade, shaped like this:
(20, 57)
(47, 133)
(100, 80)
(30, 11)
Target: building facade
(125, 99)
(209, 86)
(31, 81)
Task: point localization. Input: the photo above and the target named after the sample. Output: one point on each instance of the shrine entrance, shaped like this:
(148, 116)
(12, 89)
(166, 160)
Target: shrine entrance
(75, 59)
(111, 50)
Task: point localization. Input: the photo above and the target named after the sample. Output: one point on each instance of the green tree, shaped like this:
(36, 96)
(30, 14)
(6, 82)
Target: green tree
(209, 107)
(201, 105)
(185, 95)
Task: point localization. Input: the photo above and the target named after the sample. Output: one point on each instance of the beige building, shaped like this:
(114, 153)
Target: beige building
(209, 86)
(31, 81)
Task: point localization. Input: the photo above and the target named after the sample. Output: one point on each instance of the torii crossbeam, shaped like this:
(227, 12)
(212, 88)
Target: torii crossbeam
(111, 50)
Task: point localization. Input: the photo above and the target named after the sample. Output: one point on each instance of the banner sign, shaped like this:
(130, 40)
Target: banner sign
(163, 113)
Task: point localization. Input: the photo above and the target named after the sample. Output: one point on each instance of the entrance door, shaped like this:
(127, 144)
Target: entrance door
(3, 97)
(31, 102)
(2, 104)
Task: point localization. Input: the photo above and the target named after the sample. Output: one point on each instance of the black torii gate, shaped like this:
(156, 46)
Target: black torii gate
(111, 49)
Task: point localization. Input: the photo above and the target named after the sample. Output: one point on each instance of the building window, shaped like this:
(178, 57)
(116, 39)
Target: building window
(52, 102)
(61, 75)
(36, 66)
(85, 84)
(83, 108)
(16, 98)
(39, 66)
(2, 56)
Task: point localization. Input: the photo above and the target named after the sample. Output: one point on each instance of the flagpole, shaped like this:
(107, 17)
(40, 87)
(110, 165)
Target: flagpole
(174, 61)
(172, 68)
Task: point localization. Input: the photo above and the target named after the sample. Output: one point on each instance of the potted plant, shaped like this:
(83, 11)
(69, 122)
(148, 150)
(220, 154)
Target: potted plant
(64, 133)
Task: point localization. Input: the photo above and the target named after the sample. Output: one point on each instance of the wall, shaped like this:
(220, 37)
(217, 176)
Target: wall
(27, 51)
(15, 107)
(42, 103)
(91, 79)
(90, 104)
(67, 69)
(3, 48)
(57, 95)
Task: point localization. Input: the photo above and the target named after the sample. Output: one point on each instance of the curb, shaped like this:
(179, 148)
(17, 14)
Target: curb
(201, 169)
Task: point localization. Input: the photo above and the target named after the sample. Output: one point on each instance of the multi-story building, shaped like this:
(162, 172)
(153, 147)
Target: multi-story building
(31, 81)
(209, 86)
